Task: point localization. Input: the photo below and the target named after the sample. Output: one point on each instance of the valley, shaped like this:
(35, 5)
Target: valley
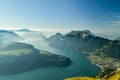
(34, 53)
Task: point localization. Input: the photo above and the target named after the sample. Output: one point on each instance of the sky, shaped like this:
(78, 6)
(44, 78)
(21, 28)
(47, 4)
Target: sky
(99, 16)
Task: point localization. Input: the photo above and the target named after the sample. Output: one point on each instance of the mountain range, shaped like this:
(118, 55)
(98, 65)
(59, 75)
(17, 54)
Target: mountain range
(86, 41)
(6, 35)
(23, 30)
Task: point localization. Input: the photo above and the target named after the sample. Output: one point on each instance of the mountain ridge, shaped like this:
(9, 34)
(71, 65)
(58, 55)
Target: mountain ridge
(82, 41)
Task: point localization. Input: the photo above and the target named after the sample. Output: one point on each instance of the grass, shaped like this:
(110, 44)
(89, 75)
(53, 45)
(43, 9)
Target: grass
(112, 76)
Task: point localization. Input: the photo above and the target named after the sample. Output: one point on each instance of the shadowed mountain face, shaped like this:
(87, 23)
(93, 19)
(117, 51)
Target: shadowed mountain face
(112, 50)
(16, 57)
(26, 33)
(87, 42)
(54, 37)
(79, 40)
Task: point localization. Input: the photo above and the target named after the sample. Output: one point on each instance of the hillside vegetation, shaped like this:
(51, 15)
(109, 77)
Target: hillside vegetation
(111, 76)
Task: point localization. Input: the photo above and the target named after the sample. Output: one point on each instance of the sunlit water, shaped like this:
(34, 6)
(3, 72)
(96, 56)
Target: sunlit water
(80, 66)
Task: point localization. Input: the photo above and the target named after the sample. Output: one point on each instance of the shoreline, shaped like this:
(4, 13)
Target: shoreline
(105, 64)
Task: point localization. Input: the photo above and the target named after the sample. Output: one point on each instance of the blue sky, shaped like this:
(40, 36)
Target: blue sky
(96, 15)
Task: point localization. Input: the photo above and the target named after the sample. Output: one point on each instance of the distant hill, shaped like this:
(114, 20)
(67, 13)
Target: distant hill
(33, 34)
(23, 30)
(54, 37)
(85, 42)
(25, 33)
(8, 35)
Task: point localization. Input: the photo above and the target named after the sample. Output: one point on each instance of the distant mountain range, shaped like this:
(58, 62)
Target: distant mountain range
(23, 30)
(9, 33)
(26, 33)
(85, 41)
(8, 36)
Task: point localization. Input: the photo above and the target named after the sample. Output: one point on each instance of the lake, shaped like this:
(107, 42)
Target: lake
(81, 65)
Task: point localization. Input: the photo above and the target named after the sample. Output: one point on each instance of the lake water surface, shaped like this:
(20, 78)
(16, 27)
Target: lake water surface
(81, 65)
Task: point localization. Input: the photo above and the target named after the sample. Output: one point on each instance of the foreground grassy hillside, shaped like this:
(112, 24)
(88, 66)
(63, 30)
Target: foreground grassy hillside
(111, 76)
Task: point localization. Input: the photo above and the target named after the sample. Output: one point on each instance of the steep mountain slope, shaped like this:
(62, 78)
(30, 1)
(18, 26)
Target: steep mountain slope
(54, 37)
(26, 34)
(112, 49)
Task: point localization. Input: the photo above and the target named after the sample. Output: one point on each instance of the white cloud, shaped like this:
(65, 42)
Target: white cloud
(111, 20)
(114, 23)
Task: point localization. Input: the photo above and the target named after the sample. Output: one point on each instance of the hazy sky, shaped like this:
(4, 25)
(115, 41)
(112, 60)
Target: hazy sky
(96, 15)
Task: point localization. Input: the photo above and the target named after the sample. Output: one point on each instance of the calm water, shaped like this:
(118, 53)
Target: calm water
(80, 66)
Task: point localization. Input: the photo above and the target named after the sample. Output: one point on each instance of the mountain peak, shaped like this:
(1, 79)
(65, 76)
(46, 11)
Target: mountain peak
(89, 32)
(83, 33)
(54, 37)
(58, 33)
